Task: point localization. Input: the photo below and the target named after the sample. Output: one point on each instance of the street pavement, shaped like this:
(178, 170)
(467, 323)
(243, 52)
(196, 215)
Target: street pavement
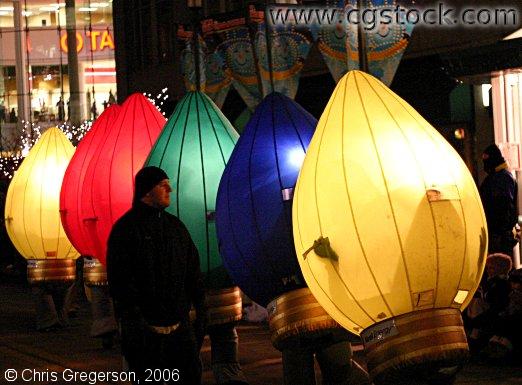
(36, 356)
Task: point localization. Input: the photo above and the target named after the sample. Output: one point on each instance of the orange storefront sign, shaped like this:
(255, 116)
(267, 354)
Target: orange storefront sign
(95, 41)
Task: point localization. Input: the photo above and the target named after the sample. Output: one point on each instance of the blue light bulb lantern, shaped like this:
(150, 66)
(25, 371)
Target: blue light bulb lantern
(254, 221)
(193, 149)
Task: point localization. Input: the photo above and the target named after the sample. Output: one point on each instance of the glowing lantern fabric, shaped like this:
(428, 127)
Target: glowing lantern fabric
(77, 213)
(111, 171)
(193, 149)
(32, 204)
(254, 204)
(399, 208)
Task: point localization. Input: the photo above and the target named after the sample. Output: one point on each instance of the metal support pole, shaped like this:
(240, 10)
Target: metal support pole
(251, 35)
(22, 73)
(195, 40)
(72, 60)
(195, 7)
(269, 47)
(361, 39)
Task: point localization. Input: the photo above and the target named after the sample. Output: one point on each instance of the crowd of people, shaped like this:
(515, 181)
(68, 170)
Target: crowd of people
(7, 116)
(62, 115)
(93, 108)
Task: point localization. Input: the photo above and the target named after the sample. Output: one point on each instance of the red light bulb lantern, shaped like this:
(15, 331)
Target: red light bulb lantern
(111, 171)
(73, 210)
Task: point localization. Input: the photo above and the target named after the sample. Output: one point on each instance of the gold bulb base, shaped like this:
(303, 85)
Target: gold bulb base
(94, 273)
(294, 314)
(50, 270)
(224, 305)
(428, 344)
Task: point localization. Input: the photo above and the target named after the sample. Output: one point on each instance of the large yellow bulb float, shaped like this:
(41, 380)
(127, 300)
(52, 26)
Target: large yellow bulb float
(32, 210)
(389, 231)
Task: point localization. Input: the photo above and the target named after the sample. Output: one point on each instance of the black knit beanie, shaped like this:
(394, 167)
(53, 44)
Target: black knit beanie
(146, 179)
(492, 158)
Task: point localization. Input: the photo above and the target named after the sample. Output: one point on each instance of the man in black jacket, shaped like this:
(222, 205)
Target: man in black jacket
(498, 193)
(154, 277)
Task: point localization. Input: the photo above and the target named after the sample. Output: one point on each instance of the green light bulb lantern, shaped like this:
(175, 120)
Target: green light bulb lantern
(193, 149)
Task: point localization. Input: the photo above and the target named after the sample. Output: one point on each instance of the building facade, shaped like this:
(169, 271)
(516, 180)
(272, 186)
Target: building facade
(34, 59)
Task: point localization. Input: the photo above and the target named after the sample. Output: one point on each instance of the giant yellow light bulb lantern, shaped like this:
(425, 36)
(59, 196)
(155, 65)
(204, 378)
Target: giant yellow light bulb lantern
(32, 206)
(388, 225)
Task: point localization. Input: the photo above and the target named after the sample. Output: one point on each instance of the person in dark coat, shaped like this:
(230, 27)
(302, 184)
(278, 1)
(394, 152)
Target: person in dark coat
(154, 278)
(495, 299)
(507, 341)
(61, 109)
(499, 198)
(12, 116)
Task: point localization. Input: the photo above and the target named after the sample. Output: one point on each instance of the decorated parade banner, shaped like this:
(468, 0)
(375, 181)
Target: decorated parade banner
(188, 60)
(227, 59)
(289, 49)
(218, 81)
(236, 51)
(331, 41)
(385, 42)
(227, 56)
(213, 79)
(234, 45)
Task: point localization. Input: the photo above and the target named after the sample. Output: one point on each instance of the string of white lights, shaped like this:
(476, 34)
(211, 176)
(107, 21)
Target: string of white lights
(159, 99)
(11, 159)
